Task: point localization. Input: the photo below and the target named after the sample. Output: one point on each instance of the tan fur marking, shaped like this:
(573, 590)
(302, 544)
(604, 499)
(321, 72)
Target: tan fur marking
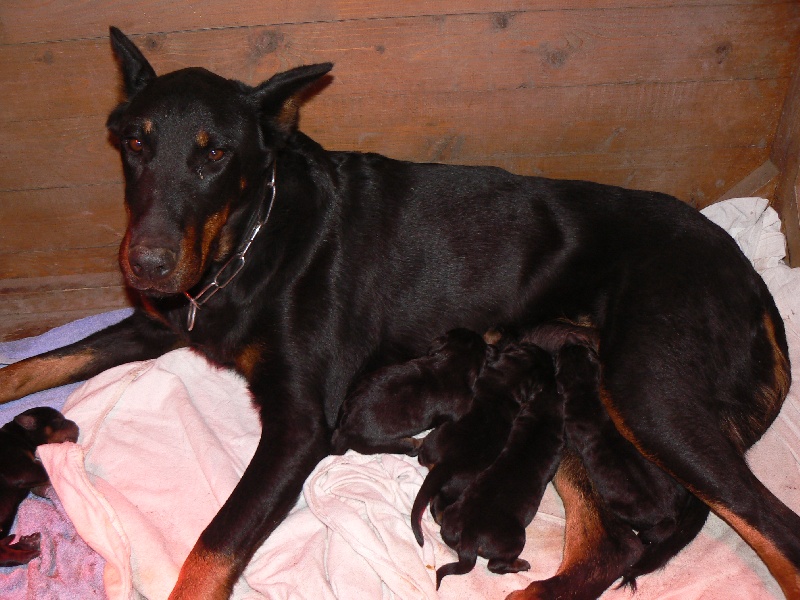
(622, 427)
(211, 230)
(492, 336)
(783, 373)
(148, 127)
(36, 374)
(202, 138)
(781, 568)
(242, 183)
(248, 359)
(583, 528)
(188, 264)
(205, 576)
(288, 114)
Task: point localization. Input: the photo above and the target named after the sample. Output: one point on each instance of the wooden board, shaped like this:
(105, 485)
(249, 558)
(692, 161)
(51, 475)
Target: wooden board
(684, 98)
(23, 21)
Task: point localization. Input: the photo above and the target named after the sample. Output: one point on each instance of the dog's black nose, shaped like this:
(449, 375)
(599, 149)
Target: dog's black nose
(151, 263)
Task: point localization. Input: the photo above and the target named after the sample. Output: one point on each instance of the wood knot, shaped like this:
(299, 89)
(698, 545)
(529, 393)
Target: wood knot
(722, 51)
(266, 42)
(502, 20)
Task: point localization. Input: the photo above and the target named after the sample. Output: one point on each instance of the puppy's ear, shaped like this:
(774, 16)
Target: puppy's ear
(136, 71)
(278, 98)
(27, 422)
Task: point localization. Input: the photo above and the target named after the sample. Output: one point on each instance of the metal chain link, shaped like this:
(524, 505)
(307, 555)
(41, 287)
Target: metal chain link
(235, 263)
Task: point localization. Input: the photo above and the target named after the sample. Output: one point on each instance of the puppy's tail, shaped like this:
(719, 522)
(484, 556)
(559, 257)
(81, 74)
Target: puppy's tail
(434, 481)
(467, 557)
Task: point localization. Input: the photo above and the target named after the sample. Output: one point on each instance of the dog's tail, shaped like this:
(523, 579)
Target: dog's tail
(434, 481)
(467, 557)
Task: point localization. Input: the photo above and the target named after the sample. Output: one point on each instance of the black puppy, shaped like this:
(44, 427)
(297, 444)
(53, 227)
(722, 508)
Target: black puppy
(303, 268)
(458, 450)
(392, 404)
(20, 472)
(489, 519)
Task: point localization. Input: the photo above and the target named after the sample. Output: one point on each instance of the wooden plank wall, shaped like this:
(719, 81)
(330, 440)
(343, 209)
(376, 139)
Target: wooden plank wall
(680, 97)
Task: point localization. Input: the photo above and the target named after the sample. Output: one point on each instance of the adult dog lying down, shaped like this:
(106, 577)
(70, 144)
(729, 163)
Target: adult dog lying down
(303, 268)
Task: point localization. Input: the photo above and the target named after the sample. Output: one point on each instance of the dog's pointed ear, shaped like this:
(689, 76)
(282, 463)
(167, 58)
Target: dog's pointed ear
(278, 97)
(136, 71)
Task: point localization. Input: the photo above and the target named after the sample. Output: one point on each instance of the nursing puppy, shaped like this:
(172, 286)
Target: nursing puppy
(21, 473)
(489, 519)
(457, 451)
(394, 403)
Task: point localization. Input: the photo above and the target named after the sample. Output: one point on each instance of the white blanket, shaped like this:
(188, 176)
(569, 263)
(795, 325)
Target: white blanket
(163, 443)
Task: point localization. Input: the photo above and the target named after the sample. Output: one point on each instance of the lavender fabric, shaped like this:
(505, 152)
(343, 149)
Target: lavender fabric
(67, 568)
(11, 352)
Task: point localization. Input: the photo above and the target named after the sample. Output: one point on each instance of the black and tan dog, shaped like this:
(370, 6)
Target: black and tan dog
(304, 268)
(459, 450)
(489, 519)
(20, 473)
(396, 402)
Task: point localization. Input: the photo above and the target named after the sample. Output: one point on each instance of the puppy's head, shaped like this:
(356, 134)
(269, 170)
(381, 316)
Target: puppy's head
(196, 149)
(45, 425)
(462, 350)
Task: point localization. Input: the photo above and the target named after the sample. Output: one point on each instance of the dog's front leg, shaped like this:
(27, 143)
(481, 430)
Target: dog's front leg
(137, 337)
(294, 439)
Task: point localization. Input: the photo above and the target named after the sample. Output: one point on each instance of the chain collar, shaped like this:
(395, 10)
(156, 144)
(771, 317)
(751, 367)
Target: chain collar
(234, 264)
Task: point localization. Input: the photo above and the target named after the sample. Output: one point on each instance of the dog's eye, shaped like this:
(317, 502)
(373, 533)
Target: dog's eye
(134, 144)
(215, 154)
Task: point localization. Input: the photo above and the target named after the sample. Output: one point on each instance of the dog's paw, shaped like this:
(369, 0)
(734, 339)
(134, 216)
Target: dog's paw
(503, 566)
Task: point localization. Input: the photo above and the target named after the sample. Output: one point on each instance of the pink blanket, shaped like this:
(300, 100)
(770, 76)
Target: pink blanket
(163, 443)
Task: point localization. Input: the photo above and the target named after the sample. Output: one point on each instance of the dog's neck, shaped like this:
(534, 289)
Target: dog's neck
(235, 263)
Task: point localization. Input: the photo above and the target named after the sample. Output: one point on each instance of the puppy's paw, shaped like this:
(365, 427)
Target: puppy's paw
(503, 566)
(22, 552)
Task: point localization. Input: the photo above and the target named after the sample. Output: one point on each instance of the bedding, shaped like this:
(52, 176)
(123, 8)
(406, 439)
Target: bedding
(163, 443)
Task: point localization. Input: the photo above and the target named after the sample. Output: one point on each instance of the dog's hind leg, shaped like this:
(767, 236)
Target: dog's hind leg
(712, 469)
(698, 431)
(598, 548)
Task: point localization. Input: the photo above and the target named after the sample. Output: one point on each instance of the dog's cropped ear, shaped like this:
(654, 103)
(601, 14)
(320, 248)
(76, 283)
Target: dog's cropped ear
(278, 97)
(136, 71)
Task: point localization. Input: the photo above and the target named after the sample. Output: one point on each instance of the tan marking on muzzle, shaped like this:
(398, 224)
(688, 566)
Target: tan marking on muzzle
(211, 230)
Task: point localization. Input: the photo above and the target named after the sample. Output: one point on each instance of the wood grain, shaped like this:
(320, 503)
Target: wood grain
(683, 97)
(24, 21)
(468, 128)
(579, 48)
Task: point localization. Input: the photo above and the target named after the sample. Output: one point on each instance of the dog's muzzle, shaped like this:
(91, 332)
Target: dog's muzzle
(151, 264)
